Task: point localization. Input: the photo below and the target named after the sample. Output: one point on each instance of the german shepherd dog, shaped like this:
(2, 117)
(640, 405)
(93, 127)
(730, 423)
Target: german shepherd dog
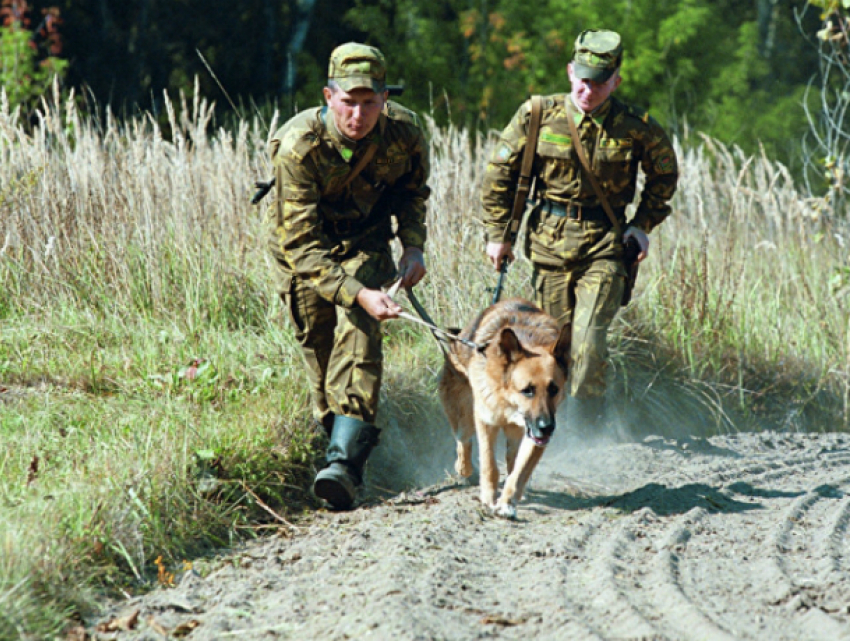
(512, 380)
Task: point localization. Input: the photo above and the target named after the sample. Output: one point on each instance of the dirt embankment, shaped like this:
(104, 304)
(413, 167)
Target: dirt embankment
(730, 537)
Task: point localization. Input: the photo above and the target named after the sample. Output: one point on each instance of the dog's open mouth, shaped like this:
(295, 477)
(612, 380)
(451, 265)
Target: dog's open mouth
(539, 441)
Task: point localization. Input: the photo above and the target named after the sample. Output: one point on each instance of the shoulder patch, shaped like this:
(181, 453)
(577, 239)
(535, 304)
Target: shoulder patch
(665, 163)
(503, 153)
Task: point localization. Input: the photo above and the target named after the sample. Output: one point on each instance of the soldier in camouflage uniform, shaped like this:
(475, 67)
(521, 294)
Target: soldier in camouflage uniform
(579, 274)
(331, 239)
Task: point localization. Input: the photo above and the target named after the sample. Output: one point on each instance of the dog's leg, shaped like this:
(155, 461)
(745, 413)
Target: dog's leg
(489, 470)
(528, 458)
(456, 397)
(513, 448)
(463, 464)
(463, 429)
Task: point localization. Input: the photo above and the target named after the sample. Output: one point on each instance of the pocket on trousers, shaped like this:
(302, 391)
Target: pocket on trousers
(545, 243)
(297, 316)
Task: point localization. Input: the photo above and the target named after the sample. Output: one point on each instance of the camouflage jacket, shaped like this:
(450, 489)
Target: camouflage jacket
(617, 138)
(317, 225)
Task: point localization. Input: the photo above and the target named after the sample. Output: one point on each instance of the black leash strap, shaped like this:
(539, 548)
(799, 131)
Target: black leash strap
(503, 270)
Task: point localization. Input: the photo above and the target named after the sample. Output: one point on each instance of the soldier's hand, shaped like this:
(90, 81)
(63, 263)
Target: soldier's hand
(378, 304)
(411, 266)
(642, 239)
(497, 251)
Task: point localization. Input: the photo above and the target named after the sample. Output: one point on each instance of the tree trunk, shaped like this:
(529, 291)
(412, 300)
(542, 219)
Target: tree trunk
(768, 11)
(303, 16)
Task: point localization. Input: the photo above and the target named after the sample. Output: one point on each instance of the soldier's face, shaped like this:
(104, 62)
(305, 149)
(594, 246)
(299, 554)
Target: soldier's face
(589, 94)
(355, 112)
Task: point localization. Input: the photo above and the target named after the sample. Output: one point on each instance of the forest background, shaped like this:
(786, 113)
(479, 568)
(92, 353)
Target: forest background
(734, 70)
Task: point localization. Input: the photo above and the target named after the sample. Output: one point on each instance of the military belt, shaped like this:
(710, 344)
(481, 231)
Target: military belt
(576, 211)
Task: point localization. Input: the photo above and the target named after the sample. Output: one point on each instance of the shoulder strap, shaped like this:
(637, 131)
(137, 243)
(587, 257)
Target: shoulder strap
(524, 182)
(587, 169)
(360, 166)
(263, 187)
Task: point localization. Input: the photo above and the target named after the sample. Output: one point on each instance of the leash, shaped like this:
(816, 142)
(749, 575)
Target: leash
(503, 270)
(440, 335)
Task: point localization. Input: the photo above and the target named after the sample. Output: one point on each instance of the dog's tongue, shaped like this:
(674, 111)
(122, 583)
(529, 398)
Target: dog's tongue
(539, 441)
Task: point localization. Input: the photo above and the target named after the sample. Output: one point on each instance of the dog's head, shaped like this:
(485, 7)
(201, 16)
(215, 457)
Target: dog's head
(533, 379)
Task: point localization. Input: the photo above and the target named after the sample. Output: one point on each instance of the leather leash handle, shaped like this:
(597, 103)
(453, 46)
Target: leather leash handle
(524, 182)
(594, 183)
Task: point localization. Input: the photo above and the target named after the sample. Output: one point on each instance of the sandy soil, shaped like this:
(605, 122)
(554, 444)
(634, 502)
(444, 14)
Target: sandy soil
(627, 537)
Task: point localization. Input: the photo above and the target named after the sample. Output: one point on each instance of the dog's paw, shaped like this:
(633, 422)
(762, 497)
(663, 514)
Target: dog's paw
(463, 469)
(466, 481)
(505, 510)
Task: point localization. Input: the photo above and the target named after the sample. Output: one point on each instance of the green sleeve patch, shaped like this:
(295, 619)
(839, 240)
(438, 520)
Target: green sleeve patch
(556, 139)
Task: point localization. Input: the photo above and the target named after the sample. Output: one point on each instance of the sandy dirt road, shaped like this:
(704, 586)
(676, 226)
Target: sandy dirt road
(739, 536)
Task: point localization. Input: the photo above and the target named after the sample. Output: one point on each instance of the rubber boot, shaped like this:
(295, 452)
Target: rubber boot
(352, 440)
(326, 424)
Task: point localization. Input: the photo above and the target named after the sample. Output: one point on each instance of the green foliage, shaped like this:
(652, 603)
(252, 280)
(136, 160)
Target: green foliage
(24, 74)
(830, 6)
(714, 66)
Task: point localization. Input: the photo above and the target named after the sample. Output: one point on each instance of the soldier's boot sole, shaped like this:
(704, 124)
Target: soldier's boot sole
(335, 485)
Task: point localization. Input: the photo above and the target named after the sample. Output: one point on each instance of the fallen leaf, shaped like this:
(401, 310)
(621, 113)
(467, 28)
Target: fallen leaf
(32, 473)
(119, 624)
(185, 628)
(194, 368)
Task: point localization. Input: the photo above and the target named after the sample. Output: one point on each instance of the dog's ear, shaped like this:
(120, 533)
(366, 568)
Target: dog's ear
(561, 347)
(508, 346)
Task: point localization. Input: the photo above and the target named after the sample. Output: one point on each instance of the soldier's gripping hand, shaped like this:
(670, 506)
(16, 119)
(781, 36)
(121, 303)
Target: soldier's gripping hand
(411, 266)
(378, 304)
(497, 251)
(642, 239)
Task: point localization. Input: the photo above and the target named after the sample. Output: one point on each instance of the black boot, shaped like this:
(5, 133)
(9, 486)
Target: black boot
(352, 440)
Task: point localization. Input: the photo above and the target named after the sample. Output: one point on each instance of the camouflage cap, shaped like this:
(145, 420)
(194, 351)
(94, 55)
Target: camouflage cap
(597, 54)
(358, 66)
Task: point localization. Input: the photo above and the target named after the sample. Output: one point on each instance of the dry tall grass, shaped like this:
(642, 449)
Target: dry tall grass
(127, 248)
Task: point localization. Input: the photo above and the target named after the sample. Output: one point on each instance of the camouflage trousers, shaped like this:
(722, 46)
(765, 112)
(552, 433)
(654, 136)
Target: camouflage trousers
(588, 295)
(342, 348)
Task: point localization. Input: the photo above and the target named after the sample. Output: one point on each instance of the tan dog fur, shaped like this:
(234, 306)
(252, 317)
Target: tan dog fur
(513, 382)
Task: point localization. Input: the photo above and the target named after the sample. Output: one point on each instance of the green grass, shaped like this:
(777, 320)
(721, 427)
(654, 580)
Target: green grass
(154, 402)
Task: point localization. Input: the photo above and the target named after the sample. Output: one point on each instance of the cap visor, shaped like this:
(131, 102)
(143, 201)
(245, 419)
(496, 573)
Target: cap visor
(361, 82)
(597, 74)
